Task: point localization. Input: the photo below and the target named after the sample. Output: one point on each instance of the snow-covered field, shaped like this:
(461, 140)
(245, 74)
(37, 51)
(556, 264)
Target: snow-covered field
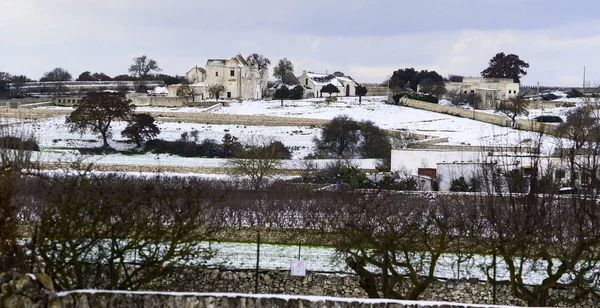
(56, 140)
(324, 259)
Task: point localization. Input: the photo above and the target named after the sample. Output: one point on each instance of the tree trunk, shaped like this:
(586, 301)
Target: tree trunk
(104, 140)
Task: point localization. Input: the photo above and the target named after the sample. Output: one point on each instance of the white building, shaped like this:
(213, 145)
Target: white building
(239, 79)
(314, 82)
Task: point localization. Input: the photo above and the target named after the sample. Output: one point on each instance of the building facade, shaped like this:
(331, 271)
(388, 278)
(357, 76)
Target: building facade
(491, 90)
(239, 79)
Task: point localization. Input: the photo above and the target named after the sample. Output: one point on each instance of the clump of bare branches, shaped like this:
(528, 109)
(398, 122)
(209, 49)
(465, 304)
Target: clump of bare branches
(16, 160)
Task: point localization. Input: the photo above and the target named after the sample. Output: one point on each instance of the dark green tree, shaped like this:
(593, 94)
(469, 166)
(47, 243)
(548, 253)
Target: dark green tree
(57, 74)
(459, 185)
(375, 142)
(97, 111)
(339, 138)
(330, 88)
(297, 92)
(141, 128)
(506, 66)
(283, 66)
(282, 94)
(360, 92)
(413, 78)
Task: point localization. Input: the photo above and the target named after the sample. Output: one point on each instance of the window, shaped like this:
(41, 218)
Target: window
(465, 92)
(472, 91)
(228, 94)
(232, 73)
(217, 74)
(306, 82)
(560, 174)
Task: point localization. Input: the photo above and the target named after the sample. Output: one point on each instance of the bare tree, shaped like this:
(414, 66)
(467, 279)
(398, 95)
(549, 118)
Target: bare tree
(258, 162)
(399, 236)
(513, 108)
(262, 64)
(15, 161)
(118, 232)
(142, 66)
(215, 90)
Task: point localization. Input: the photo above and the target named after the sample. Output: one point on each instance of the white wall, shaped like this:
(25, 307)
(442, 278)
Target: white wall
(446, 172)
(411, 160)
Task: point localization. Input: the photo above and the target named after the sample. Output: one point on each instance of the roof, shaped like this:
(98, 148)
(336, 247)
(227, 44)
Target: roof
(197, 68)
(279, 84)
(241, 61)
(216, 62)
(324, 79)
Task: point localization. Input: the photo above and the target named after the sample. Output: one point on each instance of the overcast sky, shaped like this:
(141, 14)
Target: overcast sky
(367, 39)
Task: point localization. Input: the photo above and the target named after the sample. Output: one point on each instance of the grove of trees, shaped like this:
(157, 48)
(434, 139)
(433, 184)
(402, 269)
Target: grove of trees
(345, 138)
(410, 77)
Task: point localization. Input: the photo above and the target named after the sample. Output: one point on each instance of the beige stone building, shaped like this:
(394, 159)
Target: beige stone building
(491, 90)
(239, 79)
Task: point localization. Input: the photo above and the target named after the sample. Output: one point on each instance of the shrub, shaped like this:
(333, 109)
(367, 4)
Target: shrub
(549, 119)
(421, 97)
(16, 143)
(331, 99)
(459, 184)
(297, 92)
(574, 93)
(355, 178)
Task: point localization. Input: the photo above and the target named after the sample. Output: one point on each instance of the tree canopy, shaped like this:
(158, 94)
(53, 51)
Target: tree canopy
(297, 92)
(141, 127)
(506, 66)
(97, 111)
(360, 92)
(260, 62)
(513, 108)
(283, 66)
(87, 76)
(413, 78)
(345, 138)
(142, 66)
(57, 74)
(330, 88)
(282, 93)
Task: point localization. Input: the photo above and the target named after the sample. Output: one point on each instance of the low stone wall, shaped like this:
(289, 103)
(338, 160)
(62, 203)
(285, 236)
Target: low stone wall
(37, 291)
(159, 101)
(376, 90)
(481, 116)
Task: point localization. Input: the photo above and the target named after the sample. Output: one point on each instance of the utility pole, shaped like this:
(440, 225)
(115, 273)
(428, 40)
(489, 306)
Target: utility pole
(584, 76)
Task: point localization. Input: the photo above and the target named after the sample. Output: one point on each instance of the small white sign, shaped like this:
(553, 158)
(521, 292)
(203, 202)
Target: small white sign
(298, 268)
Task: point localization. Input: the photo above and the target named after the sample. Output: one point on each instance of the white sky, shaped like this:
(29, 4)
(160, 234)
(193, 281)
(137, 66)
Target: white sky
(367, 39)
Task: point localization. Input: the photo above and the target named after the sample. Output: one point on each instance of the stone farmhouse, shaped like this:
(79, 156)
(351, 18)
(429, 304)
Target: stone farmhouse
(240, 80)
(314, 82)
(491, 90)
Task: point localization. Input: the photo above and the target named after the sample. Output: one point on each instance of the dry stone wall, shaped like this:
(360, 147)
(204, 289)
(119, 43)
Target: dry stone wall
(480, 116)
(226, 290)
